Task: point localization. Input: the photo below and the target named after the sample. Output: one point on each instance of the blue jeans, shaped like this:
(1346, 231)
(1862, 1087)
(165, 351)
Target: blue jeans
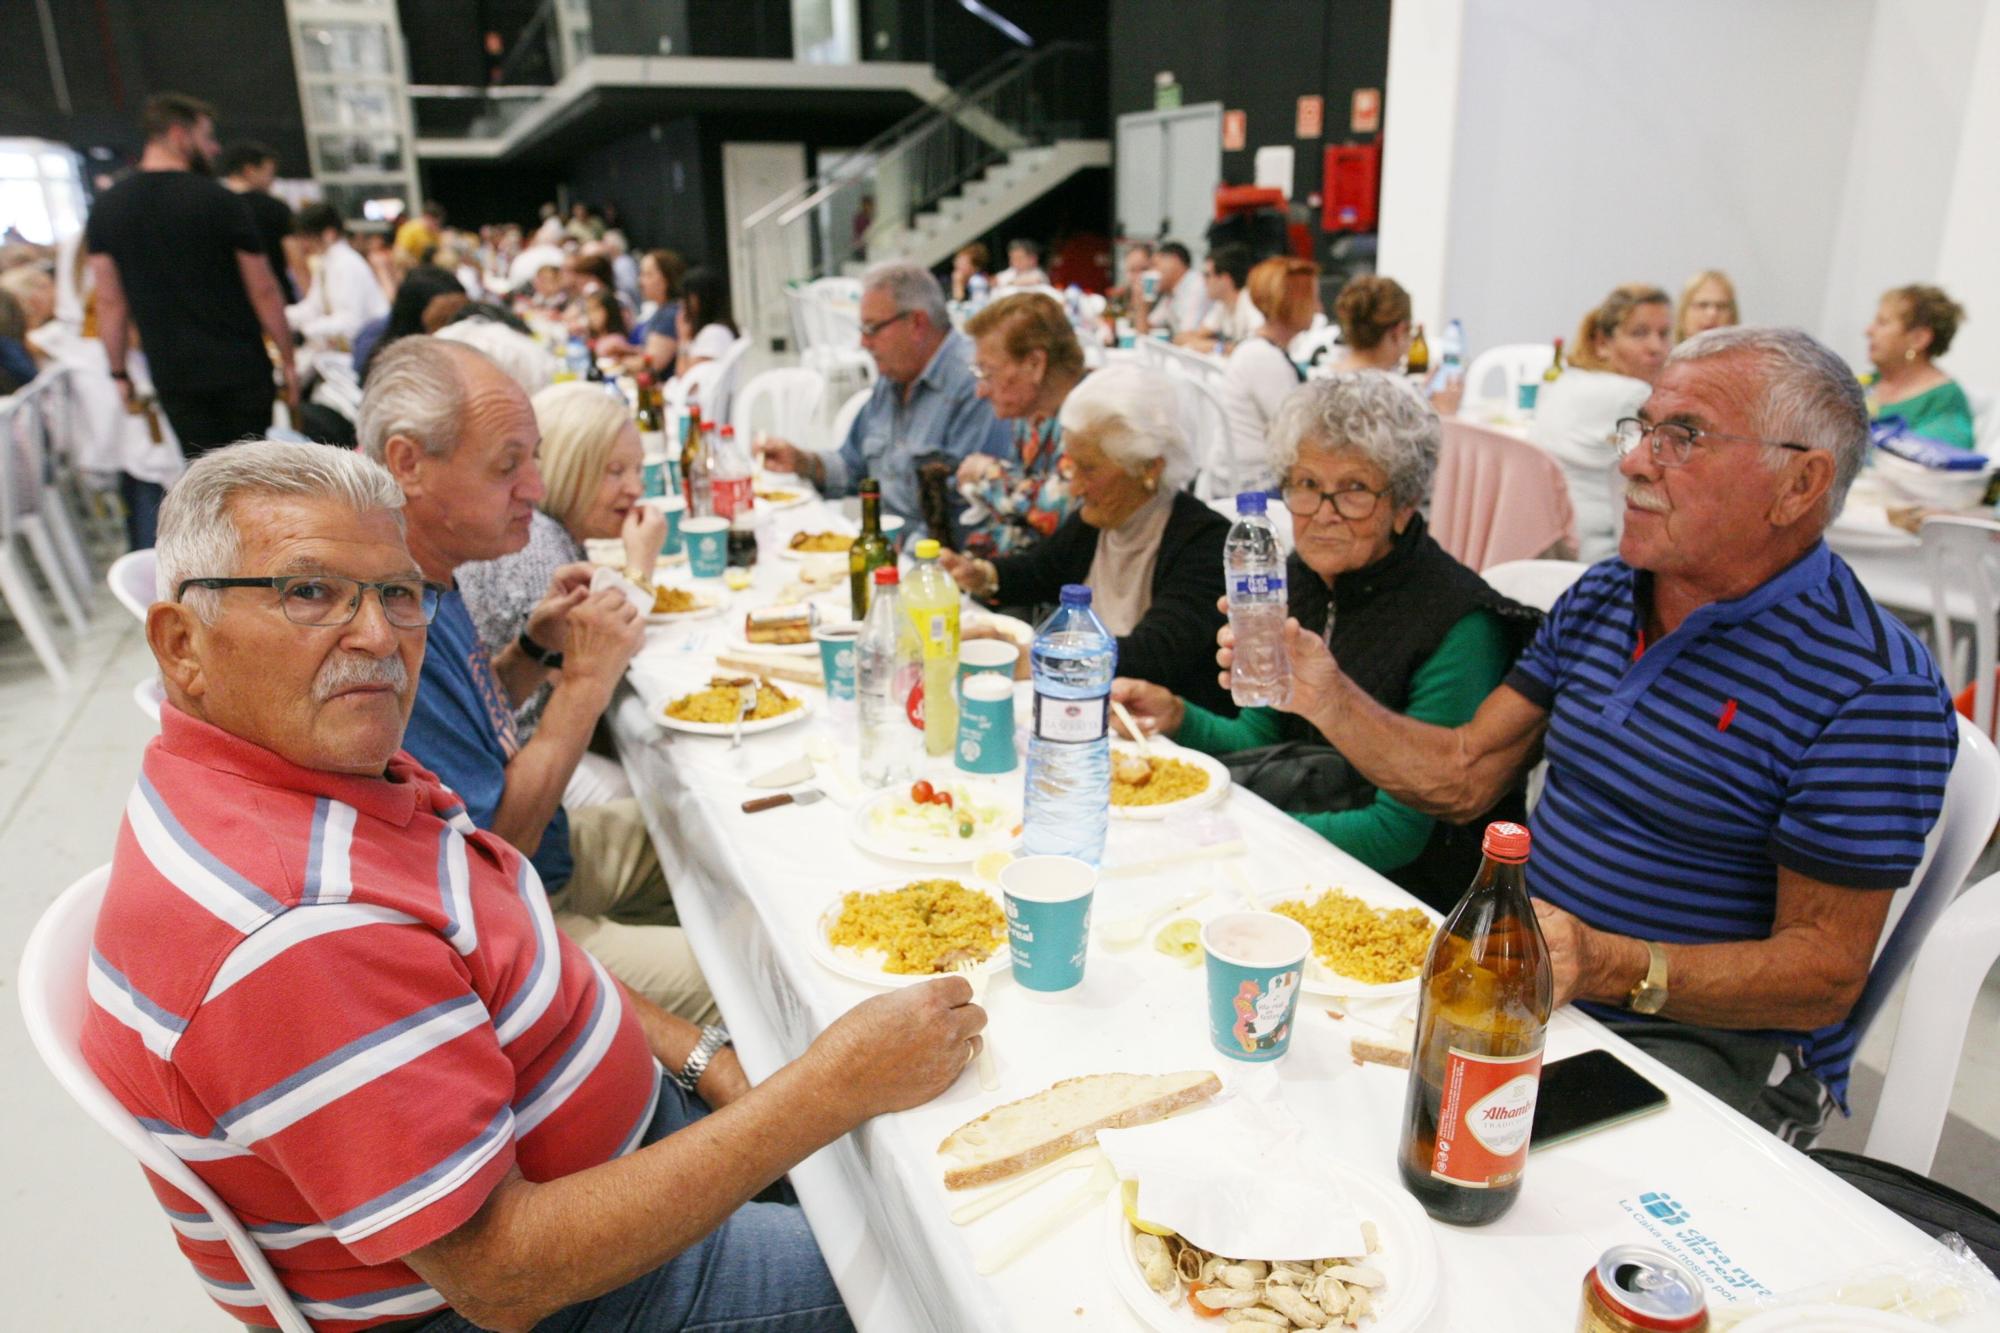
(759, 1272)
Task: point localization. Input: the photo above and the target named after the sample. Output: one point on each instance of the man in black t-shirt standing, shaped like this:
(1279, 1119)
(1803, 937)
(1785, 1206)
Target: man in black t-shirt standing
(174, 252)
(248, 169)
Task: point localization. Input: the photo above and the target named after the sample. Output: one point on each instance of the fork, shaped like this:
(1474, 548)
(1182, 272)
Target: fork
(975, 976)
(746, 697)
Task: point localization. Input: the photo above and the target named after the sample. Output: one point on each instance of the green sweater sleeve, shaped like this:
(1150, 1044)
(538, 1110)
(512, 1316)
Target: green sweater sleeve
(1211, 733)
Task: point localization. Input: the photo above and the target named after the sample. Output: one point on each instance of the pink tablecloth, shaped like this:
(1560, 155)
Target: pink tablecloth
(1498, 498)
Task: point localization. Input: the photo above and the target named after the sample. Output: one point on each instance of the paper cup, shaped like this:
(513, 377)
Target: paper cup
(997, 656)
(836, 640)
(1526, 393)
(675, 508)
(1256, 961)
(1048, 921)
(708, 545)
(986, 723)
(892, 528)
(658, 474)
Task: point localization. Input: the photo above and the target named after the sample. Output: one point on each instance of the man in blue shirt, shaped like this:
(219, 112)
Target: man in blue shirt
(1745, 753)
(925, 406)
(460, 438)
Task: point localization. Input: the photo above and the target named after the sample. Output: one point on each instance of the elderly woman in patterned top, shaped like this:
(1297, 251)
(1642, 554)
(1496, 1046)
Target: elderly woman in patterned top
(593, 468)
(1026, 359)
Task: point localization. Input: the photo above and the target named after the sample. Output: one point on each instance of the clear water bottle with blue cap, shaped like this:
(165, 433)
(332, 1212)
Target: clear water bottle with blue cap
(1451, 357)
(1254, 573)
(1069, 745)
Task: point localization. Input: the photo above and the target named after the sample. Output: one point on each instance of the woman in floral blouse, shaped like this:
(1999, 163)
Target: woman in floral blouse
(1027, 359)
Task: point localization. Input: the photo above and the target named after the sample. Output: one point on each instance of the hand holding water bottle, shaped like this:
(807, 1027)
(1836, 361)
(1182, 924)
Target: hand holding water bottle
(1315, 675)
(1256, 600)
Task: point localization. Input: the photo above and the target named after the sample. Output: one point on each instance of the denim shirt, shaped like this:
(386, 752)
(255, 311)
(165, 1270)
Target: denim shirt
(943, 418)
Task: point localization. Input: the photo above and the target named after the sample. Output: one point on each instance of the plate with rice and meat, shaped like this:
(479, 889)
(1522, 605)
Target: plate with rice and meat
(1164, 781)
(902, 931)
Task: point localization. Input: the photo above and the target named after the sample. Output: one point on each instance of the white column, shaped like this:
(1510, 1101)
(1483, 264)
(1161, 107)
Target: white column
(1419, 155)
(1968, 258)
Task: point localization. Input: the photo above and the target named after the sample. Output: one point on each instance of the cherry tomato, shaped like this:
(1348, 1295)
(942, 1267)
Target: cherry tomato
(943, 798)
(920, 792)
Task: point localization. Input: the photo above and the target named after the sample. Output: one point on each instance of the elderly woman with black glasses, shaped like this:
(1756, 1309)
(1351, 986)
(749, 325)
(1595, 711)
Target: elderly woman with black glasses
(1424, 635)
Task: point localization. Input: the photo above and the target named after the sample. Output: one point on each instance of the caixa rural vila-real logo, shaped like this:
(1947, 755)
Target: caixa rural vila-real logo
(1664, 1207)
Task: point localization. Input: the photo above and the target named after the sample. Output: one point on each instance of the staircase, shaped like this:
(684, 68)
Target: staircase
(943, 176)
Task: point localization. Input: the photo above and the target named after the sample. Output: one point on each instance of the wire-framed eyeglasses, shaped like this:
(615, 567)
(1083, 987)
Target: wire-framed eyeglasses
(1673, 442)
(323, 601)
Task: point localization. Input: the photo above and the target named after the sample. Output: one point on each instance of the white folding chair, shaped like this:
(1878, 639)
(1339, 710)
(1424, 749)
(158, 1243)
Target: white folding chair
(788, 400)
(134, 581)
(20, 504)
(1221, 475)
(1946, 942)
(720, 400)
(1959, 553)
(843, 420)
(1496, 375)
(54, 1000)
(1985, 419)
(1535, 583)
(54, 416)
(42, 518)
(148, 696)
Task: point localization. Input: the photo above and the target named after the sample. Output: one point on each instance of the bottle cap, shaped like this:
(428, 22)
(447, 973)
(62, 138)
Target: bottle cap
(1506, 842)
(885, 574)
(1251, 502)
(870, 486)
(1076, 594)
(927, 549)
(729, 432)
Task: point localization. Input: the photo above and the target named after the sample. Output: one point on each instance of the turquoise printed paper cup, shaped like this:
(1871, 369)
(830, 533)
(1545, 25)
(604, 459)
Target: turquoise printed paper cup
(708, 545)
(675, 508)
(986, 723)
(1256, 961)
(1048, 921)
(986, 655)
(836, 642)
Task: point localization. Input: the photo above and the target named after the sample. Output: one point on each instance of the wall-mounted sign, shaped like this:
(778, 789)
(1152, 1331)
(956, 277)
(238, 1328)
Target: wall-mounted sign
(1366, 117)
(1235, 131)
(1312, 116)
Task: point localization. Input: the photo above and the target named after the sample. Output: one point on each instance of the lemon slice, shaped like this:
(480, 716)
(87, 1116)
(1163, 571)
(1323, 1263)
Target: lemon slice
(1131, 1189)
(1180, 939)
(989, 865)
(736, 578)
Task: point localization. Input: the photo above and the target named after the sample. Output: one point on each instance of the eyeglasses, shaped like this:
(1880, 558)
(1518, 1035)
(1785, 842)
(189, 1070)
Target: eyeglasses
(871, 330)
(323, 601)
(1673, 443)
(1353, 503)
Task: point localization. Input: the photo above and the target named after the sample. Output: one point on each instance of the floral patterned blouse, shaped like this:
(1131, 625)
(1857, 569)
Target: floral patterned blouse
(1032, 496)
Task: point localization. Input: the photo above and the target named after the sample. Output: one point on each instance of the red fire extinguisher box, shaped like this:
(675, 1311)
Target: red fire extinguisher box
(1351, 186)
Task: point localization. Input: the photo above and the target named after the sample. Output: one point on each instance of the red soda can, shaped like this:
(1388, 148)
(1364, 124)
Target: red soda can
(1632, 1289)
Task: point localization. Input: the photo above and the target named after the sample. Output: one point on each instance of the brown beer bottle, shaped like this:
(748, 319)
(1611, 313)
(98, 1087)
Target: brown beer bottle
(1418, 359)
(1487, 990)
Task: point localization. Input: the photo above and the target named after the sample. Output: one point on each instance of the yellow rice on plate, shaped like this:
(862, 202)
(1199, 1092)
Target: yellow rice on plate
(675, 601)
(921, 928)
(1172, 780)
(1373, 945)
(720, 704)
(822, 543)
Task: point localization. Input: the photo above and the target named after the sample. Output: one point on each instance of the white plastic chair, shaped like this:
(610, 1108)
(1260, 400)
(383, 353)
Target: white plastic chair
(1513, 364)
(1946, 942)
(20, 516)
(148, 695)
(133, 577)
(54, 418)
(843, 420)
(40, 514)
(1535, 583)
(54, 1000)
(719, 402)
(1985, 419)
(1958, 554)
(789, 398)
(1206, 424)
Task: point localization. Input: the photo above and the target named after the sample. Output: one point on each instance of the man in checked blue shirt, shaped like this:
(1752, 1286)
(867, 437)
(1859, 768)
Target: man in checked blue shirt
(1745, 753)
(923, 408)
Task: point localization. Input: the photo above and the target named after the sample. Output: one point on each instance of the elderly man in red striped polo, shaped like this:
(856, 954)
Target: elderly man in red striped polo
(350, 1011)
(1745, 752)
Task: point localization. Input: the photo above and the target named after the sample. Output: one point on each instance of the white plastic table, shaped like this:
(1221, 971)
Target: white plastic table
(1696, 1180)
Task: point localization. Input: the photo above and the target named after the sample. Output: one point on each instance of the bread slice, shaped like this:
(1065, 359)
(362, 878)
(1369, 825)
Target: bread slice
(1368, 1050)
(1021, 1136)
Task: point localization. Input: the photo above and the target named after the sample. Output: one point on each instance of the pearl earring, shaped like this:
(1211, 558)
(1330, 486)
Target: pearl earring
(1909, 354)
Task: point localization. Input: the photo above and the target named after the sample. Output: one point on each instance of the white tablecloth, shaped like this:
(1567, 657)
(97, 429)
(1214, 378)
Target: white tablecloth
(1696, 1180)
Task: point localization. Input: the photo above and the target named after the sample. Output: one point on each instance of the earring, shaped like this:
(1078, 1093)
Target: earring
(1152, 484)
(1909, 354)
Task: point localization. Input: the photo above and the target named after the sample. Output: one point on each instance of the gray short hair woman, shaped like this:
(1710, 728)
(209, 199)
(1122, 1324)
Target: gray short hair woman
(1151, 553)
(1424, 635)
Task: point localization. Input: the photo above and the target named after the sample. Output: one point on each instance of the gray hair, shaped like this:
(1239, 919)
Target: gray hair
(1368, 411)
(1132, 414)
(198, 537)
(416, 388)
(525, 361)
(1801, 393)
(912, 287)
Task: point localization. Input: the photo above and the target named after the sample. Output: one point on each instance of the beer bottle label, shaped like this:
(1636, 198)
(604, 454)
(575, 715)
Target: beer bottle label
(1484, 1115)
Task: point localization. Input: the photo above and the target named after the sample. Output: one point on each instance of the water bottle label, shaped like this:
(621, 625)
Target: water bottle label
(1257, 585)
(1072, 721)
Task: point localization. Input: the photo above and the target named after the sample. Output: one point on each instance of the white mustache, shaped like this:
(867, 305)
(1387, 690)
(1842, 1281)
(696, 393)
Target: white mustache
(345, 671)
(1641, 496)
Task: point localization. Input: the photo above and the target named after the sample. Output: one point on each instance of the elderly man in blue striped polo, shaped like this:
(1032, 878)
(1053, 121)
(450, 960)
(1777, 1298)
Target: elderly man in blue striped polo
(1745, 752)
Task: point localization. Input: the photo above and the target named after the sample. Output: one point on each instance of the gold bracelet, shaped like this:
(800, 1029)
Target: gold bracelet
(640, 577)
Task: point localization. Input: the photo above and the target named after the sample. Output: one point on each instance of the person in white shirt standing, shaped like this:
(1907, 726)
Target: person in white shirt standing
(1182, 300)
(1232, 316)
(344, 294)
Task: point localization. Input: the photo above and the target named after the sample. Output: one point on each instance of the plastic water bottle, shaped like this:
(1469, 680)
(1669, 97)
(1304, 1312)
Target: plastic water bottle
(976, 288)
(1069, 744)
(577, 359)
(888, 664)
(1254, 571)
(930, 601)
(1451, 357)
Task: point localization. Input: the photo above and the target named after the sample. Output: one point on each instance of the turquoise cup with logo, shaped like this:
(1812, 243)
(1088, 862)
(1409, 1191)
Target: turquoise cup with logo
(708, 545)
(1048, 921)
(836, 642)
(1256, 961)
(674, 508)
(986, 723)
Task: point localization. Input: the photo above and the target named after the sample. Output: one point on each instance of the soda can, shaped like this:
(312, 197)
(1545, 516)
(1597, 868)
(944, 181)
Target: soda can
(1632, 1289)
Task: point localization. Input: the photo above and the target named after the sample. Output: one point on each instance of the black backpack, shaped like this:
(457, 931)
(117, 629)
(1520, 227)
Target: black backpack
(1932, 1208)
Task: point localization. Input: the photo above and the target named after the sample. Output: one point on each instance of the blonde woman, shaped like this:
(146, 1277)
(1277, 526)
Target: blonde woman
(1707, 302)
(593, 471)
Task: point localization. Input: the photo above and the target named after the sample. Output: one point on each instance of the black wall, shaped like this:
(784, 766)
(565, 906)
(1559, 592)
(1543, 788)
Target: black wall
(660, 181)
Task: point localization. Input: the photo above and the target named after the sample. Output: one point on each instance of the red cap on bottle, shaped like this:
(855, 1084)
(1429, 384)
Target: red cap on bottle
(885, 574)
(1506, 842)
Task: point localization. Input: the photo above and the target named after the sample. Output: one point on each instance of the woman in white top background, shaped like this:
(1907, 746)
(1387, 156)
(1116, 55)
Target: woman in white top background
(1260, 372)
(1375, 333)
(1619, 349)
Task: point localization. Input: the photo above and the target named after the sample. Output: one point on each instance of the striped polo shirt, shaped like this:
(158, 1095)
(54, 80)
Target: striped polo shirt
(1796, 726)
(349, 1012)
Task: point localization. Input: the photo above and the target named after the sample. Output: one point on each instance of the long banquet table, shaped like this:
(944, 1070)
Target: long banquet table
(1697, 1180)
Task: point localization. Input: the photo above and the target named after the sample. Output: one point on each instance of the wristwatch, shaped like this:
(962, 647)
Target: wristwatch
(1650, 995)
(713, 1038)
(537, 654)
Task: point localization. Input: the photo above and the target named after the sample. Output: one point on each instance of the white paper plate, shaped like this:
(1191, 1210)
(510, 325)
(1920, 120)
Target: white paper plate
(1020, 632)
(803, 711)
(1320, 979)
(867, 967)
(785, 552)
(1408, 1260)
(710, 605)
(1217, 788)
(801, 495)
(933, 851)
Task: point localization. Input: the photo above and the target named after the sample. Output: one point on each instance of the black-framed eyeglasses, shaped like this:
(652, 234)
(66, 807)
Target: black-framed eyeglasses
(1353, 503)
(870, 330)
(323, 601)
(1673, 442)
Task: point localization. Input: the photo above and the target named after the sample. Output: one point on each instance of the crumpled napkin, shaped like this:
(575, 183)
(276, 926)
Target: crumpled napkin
(1240, 1177)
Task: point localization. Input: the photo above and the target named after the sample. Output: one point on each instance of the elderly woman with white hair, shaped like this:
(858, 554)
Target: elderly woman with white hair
(1151, 553)
(593, 471)
(1424, 635)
